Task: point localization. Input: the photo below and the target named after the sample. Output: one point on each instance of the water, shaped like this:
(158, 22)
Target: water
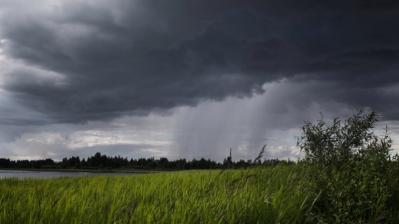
(22, 174)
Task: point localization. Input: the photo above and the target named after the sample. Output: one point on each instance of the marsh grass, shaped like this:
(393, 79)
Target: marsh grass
(256, 195)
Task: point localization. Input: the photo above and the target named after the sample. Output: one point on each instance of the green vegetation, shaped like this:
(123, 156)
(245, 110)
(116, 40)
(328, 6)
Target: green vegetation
(347, 176)
(239, 196)
(100, 162)
(352, 169)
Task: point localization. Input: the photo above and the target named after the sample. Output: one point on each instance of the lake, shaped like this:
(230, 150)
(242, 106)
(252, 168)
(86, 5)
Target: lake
(22, 174)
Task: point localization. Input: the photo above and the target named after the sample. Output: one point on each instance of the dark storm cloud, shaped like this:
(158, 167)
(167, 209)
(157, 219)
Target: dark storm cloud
(133, 57)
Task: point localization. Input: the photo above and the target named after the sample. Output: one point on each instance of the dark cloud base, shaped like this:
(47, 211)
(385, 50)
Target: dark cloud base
(134, 57)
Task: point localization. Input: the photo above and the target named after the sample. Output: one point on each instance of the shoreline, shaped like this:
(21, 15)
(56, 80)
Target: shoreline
(83, 170)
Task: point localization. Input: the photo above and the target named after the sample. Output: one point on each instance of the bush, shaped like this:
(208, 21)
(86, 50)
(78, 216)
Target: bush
(349, 169)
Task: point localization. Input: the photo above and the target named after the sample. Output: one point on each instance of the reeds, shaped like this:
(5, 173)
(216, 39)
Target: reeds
(256, 195)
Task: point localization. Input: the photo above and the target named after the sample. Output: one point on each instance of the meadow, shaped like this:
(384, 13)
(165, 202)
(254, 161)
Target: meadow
(255, 195)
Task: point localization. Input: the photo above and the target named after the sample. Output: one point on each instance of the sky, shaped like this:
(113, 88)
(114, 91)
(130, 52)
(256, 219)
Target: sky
(190, 78)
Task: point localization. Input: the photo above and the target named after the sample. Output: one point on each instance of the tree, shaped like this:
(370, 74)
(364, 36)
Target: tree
(349, 168)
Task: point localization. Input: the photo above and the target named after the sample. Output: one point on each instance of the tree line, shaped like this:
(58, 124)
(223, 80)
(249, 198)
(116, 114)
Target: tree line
(101, 161)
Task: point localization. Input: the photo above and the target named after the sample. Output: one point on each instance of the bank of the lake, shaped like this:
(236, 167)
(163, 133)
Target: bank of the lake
(42, 173)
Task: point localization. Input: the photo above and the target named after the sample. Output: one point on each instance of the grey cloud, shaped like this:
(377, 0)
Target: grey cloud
(245, 124)
(207, 130)
(133, 57)
(58, 141)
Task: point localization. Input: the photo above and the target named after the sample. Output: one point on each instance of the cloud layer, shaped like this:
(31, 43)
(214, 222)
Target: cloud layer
(91, 60)
(247, 70)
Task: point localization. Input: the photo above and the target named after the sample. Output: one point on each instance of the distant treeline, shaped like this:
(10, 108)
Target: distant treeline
(99, 161)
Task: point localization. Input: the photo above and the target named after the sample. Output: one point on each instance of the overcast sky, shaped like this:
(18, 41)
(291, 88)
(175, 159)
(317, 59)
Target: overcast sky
(189, 78)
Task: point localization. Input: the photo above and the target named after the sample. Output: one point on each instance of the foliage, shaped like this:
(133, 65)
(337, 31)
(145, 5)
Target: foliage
(349, 169)
(99, 161)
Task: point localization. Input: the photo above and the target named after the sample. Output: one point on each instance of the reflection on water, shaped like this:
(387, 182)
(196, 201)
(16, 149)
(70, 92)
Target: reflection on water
(21, 174)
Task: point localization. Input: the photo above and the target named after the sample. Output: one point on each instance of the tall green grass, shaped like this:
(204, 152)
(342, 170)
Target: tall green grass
(257, 195)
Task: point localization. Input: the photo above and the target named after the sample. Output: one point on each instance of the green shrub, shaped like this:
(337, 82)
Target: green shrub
(348, 169)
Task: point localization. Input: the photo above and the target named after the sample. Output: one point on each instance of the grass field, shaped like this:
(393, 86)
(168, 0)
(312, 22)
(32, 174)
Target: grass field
(257, 195)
